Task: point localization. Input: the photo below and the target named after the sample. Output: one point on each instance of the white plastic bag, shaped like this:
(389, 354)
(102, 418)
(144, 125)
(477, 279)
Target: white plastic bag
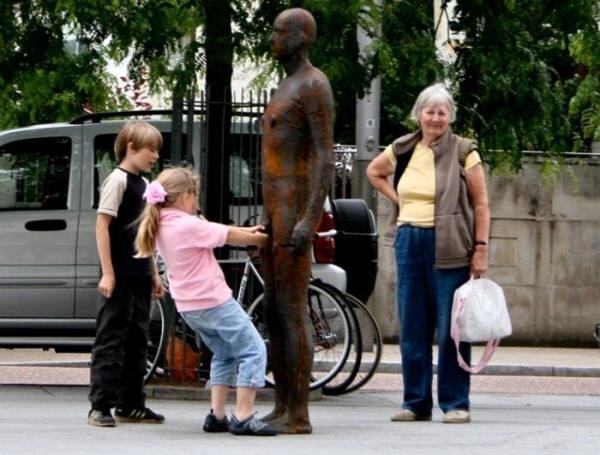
(479, 313)
(482, 314)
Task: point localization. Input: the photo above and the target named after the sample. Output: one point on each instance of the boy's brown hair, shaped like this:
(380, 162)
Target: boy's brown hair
(140, 134)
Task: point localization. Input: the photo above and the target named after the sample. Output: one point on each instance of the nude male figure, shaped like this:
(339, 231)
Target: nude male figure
(297, 160)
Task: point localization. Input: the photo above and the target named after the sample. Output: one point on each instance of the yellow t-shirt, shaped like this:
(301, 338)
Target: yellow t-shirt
(416, 188)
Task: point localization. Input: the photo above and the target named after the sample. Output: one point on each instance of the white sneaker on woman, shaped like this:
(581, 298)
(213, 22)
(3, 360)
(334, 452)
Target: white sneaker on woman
(457, 416)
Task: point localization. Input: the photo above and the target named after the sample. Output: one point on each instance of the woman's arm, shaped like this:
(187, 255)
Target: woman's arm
(378, 173)
(479, 199)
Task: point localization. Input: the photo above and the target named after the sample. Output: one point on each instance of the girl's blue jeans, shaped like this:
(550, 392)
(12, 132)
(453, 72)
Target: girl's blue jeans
(239, 353)
(424, 299)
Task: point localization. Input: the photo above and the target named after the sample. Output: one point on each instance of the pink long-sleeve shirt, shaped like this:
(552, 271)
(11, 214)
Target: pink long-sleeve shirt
(186, 243)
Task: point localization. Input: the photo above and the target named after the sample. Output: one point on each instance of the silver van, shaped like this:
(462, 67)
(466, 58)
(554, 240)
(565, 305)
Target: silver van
(49, 180)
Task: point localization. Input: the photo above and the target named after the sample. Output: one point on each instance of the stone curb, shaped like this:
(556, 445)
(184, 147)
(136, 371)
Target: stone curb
(396, 368)
(512, 370)
(198, 392)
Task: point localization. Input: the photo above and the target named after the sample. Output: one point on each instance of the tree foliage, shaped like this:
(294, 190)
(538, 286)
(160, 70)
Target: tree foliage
(584, 107)
(513, 74)
(40, 80)
(406, 61)
(158, 37)
(527, 74)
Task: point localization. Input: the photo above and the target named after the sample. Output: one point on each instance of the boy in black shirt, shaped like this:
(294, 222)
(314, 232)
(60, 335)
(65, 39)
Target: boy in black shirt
(126, 285)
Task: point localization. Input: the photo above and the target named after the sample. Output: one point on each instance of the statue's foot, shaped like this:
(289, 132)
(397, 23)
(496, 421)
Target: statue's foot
(292, 427)
(282, 422)
(275, 415)
(286, 425)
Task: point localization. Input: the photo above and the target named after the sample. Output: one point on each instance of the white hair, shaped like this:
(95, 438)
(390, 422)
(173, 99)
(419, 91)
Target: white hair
(434, 94)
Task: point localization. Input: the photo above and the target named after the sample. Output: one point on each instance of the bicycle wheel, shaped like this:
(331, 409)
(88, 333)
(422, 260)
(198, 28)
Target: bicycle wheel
(331, 334)
(372, 344)
(157, 334)
(338, 384)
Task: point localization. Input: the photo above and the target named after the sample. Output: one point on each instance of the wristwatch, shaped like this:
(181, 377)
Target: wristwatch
(480, 242)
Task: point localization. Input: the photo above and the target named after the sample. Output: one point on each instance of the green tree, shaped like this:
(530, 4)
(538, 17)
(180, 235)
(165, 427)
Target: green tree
(406, 61)
(513, 74)
(584, 107)
(158, 37)
(40, 81)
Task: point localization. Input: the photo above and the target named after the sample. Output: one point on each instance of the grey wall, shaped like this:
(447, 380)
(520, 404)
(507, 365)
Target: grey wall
(544, 251)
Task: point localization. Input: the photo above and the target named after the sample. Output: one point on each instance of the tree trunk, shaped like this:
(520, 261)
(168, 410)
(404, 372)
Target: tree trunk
(219, 68)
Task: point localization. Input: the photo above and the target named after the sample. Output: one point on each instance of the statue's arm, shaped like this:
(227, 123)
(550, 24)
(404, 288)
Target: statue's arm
(317, 102)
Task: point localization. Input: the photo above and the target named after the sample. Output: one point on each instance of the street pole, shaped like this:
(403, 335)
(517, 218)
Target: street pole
(367, 124)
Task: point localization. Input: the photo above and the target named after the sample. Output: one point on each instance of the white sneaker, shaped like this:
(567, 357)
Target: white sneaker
(457, 416)
(406, 415)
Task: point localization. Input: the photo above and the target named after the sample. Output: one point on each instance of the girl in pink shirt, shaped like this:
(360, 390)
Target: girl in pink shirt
(197, 284)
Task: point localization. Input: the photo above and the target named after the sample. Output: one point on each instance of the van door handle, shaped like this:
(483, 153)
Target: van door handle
(46, 225)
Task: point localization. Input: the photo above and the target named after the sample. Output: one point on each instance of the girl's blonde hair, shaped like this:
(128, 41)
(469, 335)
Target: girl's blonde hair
(140, 134)
(175, 181)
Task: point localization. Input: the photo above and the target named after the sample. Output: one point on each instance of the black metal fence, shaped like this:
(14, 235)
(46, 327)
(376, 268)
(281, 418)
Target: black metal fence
(231, 193)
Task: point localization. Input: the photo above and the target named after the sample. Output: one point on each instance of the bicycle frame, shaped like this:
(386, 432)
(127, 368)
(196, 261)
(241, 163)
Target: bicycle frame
(248, 267)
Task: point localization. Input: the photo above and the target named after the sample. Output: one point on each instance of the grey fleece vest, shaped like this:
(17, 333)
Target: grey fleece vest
(453, 211)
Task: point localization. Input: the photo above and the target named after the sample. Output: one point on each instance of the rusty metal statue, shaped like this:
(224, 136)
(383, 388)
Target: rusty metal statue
(297, 160)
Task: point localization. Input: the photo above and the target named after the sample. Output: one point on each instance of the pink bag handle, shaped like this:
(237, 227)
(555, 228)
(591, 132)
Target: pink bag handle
(490, 347)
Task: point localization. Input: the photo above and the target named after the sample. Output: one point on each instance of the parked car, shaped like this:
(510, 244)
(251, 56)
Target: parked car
(49, 180)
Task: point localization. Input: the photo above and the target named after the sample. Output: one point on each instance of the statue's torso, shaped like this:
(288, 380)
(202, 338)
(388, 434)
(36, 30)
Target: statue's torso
(288, 153)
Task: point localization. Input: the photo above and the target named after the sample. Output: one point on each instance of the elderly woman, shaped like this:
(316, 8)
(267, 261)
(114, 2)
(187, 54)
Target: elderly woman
(442, 238)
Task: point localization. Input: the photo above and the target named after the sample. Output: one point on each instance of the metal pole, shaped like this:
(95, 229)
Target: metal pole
(367, 125)
(176, 127)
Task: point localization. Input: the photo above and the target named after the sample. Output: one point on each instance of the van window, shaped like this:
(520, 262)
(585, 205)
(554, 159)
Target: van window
(105, 162)
(244, 170)
(34, 174)
(240, 182)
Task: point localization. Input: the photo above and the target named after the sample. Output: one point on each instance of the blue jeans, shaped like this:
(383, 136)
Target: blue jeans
(424, 305)
(239, 352)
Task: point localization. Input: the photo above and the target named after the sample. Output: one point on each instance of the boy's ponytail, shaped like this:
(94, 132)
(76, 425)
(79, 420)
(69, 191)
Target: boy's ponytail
(145, 240)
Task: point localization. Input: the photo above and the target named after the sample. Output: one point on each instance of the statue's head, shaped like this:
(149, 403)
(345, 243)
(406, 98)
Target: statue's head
(294, 30)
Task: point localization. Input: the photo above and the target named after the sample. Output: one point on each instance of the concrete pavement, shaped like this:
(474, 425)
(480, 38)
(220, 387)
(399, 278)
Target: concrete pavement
(544, 406)
(52, 420)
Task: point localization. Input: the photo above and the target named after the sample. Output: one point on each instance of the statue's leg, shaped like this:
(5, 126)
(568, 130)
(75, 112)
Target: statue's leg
(293, 271)
(276, 338)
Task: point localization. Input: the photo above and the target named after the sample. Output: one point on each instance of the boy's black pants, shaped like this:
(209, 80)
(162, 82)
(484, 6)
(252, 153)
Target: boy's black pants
(119, 351)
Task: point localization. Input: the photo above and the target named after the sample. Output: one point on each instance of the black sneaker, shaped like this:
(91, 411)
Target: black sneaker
(250, 427)
(138, 415)
(101, 418)
(214, 425)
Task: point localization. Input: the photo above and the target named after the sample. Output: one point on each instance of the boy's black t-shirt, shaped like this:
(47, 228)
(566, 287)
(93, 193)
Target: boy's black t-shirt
(121, 197)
